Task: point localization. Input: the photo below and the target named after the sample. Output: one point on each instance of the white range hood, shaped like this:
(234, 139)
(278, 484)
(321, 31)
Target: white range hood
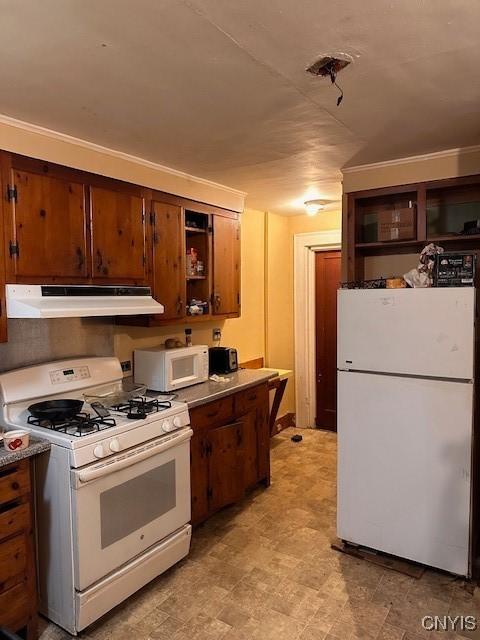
(77, 301)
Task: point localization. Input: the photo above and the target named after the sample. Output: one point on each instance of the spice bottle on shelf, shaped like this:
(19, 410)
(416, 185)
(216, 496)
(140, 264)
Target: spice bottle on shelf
(188, 337)
(192, 260)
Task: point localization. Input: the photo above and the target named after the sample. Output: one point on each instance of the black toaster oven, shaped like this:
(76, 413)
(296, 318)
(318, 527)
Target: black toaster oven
(222, 360)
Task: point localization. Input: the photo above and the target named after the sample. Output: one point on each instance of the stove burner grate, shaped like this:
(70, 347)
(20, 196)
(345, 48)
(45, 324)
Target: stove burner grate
(139, 408)
(80, 425)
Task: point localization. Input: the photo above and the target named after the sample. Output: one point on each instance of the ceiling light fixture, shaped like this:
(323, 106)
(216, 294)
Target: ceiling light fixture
(312, 207)
(329, 66)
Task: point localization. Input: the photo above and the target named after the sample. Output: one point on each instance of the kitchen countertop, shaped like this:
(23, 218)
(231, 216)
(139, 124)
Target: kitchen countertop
(36, 446)
(204, 392)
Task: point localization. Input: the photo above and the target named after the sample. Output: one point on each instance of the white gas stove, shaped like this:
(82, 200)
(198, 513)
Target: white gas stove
(112, 495)
(133, 417)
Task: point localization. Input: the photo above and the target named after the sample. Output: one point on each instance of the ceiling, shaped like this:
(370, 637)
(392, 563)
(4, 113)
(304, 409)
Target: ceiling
(218, 88)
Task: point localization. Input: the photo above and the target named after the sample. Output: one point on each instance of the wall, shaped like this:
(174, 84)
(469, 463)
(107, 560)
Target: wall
(246, 333)
(38, 142)
(33, 341)
(279, 288)
(434, 166)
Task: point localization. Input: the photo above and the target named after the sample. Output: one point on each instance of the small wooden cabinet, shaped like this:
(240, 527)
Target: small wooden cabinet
(47, 228)
(118, 236)
(230, 450)
(226, 265)
(18, 600)
(168, 264)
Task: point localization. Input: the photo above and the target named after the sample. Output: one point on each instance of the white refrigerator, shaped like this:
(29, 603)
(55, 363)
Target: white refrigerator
(405, 416)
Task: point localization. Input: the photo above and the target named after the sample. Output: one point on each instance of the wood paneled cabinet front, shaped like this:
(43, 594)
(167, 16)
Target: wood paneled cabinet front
(46, 228)
(226, 265)
(67, 226)
(18, 599)
(230, 450)
(168, 263)
(118, 236)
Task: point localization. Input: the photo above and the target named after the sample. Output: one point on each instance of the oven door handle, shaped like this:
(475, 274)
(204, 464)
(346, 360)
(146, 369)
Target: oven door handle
(128, 459)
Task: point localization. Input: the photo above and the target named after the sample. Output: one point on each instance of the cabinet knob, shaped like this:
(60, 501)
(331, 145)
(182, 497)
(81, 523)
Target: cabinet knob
(15, 486)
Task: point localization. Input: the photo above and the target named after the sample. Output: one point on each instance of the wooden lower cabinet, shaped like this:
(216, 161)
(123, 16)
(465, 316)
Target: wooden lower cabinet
(230, 450)
(18, 600)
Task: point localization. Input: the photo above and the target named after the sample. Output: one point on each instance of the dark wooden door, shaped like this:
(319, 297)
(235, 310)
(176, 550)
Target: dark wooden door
(47, 230)
(327, 279)
(169, 259)
(226, 265)
(226, 465)
(119, 251)
(199, 476)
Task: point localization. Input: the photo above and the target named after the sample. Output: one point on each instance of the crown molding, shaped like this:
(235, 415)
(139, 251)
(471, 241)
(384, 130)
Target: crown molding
(63, 137)
(447, 153)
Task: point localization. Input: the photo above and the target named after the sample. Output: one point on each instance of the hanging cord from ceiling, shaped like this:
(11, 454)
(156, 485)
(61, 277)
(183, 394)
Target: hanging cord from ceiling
(333, 78)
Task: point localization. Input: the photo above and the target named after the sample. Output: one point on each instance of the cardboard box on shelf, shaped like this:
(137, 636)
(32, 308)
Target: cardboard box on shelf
(397, 224)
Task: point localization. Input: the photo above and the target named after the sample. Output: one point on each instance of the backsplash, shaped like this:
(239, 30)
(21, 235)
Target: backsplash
(34, 341)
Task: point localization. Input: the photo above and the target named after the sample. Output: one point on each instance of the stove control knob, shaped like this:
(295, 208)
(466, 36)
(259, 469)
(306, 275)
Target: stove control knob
(178, 422)
(115, 446)
(99, 451)
(166, 426)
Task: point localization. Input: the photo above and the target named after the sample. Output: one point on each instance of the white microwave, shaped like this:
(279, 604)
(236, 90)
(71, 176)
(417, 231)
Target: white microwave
(163, 369)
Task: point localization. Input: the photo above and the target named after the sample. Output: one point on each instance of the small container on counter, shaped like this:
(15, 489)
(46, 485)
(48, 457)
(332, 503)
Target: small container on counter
(16, 440)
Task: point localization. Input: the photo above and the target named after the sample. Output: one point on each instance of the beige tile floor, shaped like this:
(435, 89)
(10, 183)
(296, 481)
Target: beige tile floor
(264, 570)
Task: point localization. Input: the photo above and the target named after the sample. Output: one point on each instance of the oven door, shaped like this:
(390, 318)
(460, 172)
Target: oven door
(127, 503)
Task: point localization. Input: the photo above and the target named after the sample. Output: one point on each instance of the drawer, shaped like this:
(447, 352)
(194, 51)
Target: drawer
(13, 561)
(250, 399)
(15, 607)
(212, 414)
(14, 481)
(14, 517)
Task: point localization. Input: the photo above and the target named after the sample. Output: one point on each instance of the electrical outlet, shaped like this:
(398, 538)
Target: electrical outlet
(126, 366)
(217, 335)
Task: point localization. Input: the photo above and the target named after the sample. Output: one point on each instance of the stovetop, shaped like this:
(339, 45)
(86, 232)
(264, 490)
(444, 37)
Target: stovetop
(80, 425)
(88, 421)
(131, 419)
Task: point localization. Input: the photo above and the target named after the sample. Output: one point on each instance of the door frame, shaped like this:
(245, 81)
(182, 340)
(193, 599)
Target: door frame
(305, 246)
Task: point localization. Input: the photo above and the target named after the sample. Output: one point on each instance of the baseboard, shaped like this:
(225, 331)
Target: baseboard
(288, 420)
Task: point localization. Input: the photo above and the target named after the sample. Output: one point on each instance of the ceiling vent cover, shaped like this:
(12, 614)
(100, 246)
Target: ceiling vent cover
(327, 65)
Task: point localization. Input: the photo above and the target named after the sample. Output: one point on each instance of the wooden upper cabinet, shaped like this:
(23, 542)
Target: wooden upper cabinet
(3, 310)
(46, 234)
(226, 265)
(118, 236)
(169, 259)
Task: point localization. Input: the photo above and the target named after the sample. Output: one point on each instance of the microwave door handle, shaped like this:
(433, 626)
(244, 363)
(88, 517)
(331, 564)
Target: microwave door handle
(81, 478)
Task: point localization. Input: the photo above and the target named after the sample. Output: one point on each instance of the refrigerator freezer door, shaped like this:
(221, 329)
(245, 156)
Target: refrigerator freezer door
(404, 458)
(423, 332)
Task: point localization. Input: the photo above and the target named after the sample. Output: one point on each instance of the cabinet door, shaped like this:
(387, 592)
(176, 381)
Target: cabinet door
(251, 448)
(263, 433)
(226, 465)
(118, 236)
(169, 259)
(3, 309)
(46, 229)
(226, 265)
(199, 476)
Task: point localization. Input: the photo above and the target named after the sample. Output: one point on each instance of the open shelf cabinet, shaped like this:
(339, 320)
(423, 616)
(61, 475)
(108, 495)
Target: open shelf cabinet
(440, 210)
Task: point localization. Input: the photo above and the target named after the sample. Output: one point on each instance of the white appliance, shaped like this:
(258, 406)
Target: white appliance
(112, 495)
(163, 369)
(76, 301)
(405, 414)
